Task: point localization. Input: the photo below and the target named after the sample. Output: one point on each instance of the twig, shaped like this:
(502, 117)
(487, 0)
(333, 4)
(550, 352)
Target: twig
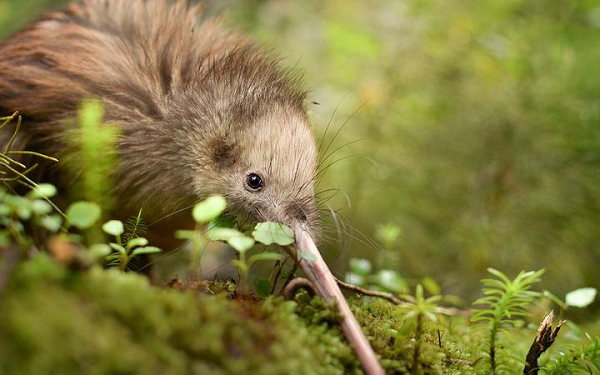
(390, 297)
(451, 311)
(298, 283)
(544, 338)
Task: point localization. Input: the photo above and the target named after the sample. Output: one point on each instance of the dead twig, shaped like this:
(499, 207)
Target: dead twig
(544, 338)
(451, 311)
(372, 293)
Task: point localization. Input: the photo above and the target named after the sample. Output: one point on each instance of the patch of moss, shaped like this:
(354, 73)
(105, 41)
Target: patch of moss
(108, 322)
(57, 321)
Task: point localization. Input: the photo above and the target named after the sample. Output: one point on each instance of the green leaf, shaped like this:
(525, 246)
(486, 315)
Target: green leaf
(184, 234)
(83, 214)
(263, 287)
(222, 234)
(391, 281)
(581, 297)
(118, 247)
(145, 250)
(241, 243)
(52, 223)
(24, 212)
(4, 210)
(269, 233)
(360, 266)
(431, 286)
(264, 256)
(136, 242)
(308, 256)
(100, 250)
(41, 207)
(355, 279)
(209, 209)
(42, 191)
(114, 228)
(224, 221)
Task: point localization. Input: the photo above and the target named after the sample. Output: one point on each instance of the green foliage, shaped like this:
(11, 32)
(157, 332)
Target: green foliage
(273, 233)
(83, 215)
(506, 302)
(96, 143)
(207, 216)
(125, 251)
(387, 280)
(581, 297)
(582, 360)
(479, 137)
(209, 209)
(135, 227)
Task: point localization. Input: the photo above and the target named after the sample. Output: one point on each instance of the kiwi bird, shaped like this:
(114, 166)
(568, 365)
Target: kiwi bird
(200, 109)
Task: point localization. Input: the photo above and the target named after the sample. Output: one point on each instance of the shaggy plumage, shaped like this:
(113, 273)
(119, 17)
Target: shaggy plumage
(198, 106)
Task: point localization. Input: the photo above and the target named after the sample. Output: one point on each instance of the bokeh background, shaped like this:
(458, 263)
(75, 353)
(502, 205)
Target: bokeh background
(471, 129)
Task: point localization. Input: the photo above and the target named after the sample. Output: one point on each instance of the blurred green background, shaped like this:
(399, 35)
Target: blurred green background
(477, 129)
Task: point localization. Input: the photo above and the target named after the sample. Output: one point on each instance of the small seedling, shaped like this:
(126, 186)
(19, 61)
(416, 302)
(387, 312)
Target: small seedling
(210, 226)
(125, 251)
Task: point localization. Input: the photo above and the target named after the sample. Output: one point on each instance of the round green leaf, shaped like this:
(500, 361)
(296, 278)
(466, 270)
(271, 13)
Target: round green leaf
(355, 279)
(113, 227)
(263, 287)
(145, 250)
(83, 214)
(392, 281)
(52, 223)
(136, 242)
(581, 297)
(241, 243)
(100, 250)
(209, 209)
(41, 207)
(184, 234)
(222, 234)
(24, 212)
(269, 233)
(118, 248)
(360, 266)
(42, 191)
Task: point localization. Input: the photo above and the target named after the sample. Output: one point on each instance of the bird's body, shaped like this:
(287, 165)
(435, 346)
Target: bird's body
(200, 110)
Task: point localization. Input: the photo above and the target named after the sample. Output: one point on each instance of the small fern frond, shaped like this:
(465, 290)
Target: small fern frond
(503, 303)
(135, 226)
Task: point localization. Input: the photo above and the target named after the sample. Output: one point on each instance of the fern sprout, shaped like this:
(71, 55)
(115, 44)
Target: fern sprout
(506, 301)
(135, 227)
(419, 307)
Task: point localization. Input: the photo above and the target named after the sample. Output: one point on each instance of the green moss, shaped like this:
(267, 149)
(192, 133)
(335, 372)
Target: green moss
(101, 322)
(54, 320)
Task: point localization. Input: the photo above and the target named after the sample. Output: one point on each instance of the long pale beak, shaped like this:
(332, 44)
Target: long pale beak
(318, 273)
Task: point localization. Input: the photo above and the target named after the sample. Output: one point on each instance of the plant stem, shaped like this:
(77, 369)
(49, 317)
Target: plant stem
(417, 352)
(493, 334)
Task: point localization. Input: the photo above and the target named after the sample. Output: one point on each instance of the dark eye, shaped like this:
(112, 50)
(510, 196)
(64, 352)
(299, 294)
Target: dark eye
(254, 182)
